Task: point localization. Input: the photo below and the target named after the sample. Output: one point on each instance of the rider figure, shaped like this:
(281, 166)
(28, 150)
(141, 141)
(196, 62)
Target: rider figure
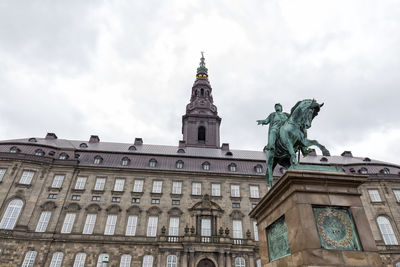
(275, 120)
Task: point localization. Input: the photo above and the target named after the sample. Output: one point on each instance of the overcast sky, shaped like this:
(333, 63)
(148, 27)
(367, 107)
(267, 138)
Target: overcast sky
(124, 69)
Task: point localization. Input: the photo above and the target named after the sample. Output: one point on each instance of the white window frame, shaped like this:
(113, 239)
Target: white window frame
(374, 195)
(157, 187)
(179, 164)
(58, 181)
(255, 229)
(101, 258)
(386, 229)
(68, 223)
(119, 184)
(80, 183)
(177, 188)
(148, 261)
(206, 166)
(2, 173)
(216, 190)
(258, 263)
(235, 190)
(396, 193)
(152, 226)
(131, 225)
(232, 167)
(237, 229)
(57, 259)
(254, 191)
(90, 222)
(110, 224)
(125, 161)
(173, 226)
(205, 227)
(80, 259)
(11, 215)
(26, 177)
(29, 260)
(240, 262)
(138, 186)
(125, 260)
(100, 183)
(196, 189)
(43, 221)
(172, 261)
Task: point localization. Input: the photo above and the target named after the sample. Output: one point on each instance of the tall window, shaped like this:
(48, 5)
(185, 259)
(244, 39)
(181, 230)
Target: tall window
(89, 224)
(240, 262)
(26, 177)
(131, 226)
(125, 261)
(11, 215)
(172, 261)
(29, 259)
(103, 258)
(254, 191)
(147, 261)
(43, 221)
(100, 182)
(138, 186)
(152, 226)
(206, 227)
(255, 228)
(173, 226)
(80, 259)
(259, 263)
(235, 190)
(196, 189)
(201, 134)
(110, 224)
(157, 186)
(397, 194)
(177, 188)
(68, 223)
(58, 181)
(374, 195)
(119, 184)
(80, 183)
(57, 259)
(2, 172)
(216, 190)
(387, 231)
(237, 229)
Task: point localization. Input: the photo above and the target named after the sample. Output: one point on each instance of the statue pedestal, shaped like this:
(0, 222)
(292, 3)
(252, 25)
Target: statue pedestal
(315, 218)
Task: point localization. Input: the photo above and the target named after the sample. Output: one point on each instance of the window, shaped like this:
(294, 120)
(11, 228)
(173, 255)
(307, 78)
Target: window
(119, 184)
(26, 177)
(232, 167)
(103, 258)
(125, 161)
(157, 186)
(131, 226)
(68, 223)
(63, 156)
(14, 149)
(176, 202)
(181, 150)
(97, 160)
(152, 226)
(2, 172)
(80, 183)
(173, 226)
(110, 224)
(255, 228)
(39, 152)
(11, 215)
(136, 200)
(397, 194)
(216, 190)
(147, 261)
(177, 188)
(132, 148)
(89, 224)
(385, 171)
(196, 189)
(253, 205)
(155, 201)
(179, 164)
(363, 170)
(387, 231)
(138, 186)
(206, 166)
(57, 259)
(43, 221)
(259, 263)
(76, 197)
(240, 262)
(80, 259)
(205, 227)
(115, 199)
(254, 191)
(259, 169)
(83, 145)
(96, 198)
(32, 140)
(237, 229)
(52, 196)
(172, 261)
(125, 261)
(374, 195)
(236, 205)
(201, 134)
(153, 163)
(58, 181)
(235, 190)
(29, 259)
(100, 182)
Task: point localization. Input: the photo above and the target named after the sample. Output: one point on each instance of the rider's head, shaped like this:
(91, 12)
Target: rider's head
(278, 107)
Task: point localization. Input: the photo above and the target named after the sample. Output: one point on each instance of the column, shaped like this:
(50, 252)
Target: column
(221, 257)
(228, 261)
(191, 258)
(250, 259)
(159, 259)
(184, 259)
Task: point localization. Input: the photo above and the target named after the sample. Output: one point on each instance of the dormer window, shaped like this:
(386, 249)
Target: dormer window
(39, 152)
(181, 150)
(232, 167)
(125, 161)
(153, 163)
(83, 145)
(132, 148)
(323, 159)
(179, 164)
(228, 153)
(32, 140)
(63, 156)
(15, 149)
(367, 159)
(206, 166)
(385, 171)
(352, 170)
(98, 160)
(363, 170)
(258, 168)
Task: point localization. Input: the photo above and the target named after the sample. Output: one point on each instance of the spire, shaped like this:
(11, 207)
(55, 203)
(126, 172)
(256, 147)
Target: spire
(202, 68)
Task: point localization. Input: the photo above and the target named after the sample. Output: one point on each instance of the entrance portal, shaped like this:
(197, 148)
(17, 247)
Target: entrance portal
(206, 263)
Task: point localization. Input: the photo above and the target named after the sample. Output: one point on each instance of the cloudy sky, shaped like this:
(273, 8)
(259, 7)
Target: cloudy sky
(124, 69)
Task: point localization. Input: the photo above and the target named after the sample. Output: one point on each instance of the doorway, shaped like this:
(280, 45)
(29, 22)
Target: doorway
(206, 263)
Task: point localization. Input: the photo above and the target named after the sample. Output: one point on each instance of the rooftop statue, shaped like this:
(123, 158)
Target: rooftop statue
(288, 134)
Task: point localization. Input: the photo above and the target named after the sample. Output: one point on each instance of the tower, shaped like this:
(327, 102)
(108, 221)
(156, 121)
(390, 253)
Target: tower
(200, 124)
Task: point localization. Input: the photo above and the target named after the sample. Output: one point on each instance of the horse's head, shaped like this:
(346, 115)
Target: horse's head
(304, 112)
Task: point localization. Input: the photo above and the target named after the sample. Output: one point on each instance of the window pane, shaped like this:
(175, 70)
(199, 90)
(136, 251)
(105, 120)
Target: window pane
(43, 221)
(259, 263)
(2, 172)
(26, 177)
(215, 189)
(152, 226)
(206, 227)
(138, 187)
(177, 188)
(100, 182)
(80, 260)
(131, 226)
(239, 262)
(119, 184)
(254, 191)
(80, 183)
(68, 223)
(387, 231)
(56, 260)
(237, 229)
(235, 191)
(172, 261)
(29, 259)
(196, 189)
(397, 195)
(11, 215)
(125, 261)
(89, 224)
(58, 181)
(174, 226)
(255, 231)
(147, 261)
(110, 225)
(157, 186)
(374, 195)
(102, 259)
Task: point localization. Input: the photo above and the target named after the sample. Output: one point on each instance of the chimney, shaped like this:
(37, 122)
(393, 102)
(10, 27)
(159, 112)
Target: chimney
(138, 141)
(94, 139)
(347, 154)
(51, 136)
(182, 143)
(225, 147)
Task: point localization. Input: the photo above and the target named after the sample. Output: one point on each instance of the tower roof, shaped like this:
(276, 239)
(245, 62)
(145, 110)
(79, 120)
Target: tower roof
(202, 68)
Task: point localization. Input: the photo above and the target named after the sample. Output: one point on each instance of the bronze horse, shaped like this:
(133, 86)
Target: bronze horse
(293, 137)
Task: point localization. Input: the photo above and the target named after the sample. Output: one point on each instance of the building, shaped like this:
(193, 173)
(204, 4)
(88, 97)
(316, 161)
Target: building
(93, 203)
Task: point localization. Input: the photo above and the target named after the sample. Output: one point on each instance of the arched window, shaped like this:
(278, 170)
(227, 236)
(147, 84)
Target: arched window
(179, 164)
(201, 134)
(239, 262)
(323, 159)
(258, 263)
(32, 140)
(228, 153)
(181, 150)
(83, 145)
(386, 230)
(57, 259)
(352, 170)
(397, 264)
(232, 167)
(132, 148)
(11, 215)
(29, 259)
(98, 160)
(147, 261)
(259, 168)
(80, 259)
(363, 170)
(202, 92)
(385, 171)
(125, 261)
(125, 161)
(172, 261)
(39, 152)
(63, 156)
(152, 163)
(15, 149)
(206, 166)
(103, 258)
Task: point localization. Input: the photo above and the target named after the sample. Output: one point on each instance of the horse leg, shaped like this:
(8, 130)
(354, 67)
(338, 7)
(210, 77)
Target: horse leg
(270, 167)
(323, 149)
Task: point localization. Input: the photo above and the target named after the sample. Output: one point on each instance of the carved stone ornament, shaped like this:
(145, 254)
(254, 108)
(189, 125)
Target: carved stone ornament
(93, 208)
(113, 209)
(134, 210)
(72, 207)
(236, 215)
(154, 211)
(206, 207)
(48, 206)
(175, 212)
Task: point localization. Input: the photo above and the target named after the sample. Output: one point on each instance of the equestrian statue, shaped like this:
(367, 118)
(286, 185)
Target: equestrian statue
(287, 135)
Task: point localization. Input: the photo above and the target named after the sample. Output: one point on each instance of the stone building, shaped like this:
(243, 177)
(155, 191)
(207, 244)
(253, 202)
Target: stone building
(93, 203)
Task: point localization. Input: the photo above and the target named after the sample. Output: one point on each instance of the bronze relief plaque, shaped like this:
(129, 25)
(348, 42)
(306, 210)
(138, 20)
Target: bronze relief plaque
(336, 228)
(278, 241)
